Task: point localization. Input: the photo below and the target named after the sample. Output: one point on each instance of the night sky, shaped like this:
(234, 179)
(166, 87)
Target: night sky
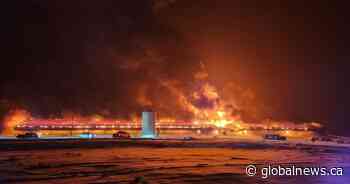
(92, 57)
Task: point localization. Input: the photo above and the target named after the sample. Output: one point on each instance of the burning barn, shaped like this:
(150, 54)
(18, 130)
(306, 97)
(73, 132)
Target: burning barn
(151, 127)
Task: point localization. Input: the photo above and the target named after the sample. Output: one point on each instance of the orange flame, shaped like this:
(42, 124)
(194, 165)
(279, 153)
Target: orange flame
(13, 118)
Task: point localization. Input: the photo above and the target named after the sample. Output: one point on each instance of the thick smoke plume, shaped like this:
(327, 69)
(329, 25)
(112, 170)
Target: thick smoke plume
(195, 98)
(113, 59)
(161, 4)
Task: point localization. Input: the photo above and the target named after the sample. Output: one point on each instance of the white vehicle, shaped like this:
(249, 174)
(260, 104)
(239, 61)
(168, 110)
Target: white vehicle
(87, 135)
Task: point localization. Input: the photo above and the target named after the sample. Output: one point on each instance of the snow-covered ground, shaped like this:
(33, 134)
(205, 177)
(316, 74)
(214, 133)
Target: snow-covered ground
(238, 140)
(162, 161)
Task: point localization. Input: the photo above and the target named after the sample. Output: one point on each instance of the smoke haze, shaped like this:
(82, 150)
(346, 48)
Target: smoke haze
(251, 59)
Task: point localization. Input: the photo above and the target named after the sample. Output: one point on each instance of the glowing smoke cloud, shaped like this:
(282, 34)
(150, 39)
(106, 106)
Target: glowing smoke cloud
(13, 118)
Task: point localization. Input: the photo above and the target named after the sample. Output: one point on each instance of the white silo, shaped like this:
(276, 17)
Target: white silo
(148, 124)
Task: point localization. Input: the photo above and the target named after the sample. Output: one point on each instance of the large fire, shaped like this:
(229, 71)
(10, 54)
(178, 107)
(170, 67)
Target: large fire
(203, 101)
(14, 118)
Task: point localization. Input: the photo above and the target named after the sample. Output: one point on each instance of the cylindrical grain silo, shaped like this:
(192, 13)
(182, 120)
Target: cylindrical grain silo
(148, 124)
